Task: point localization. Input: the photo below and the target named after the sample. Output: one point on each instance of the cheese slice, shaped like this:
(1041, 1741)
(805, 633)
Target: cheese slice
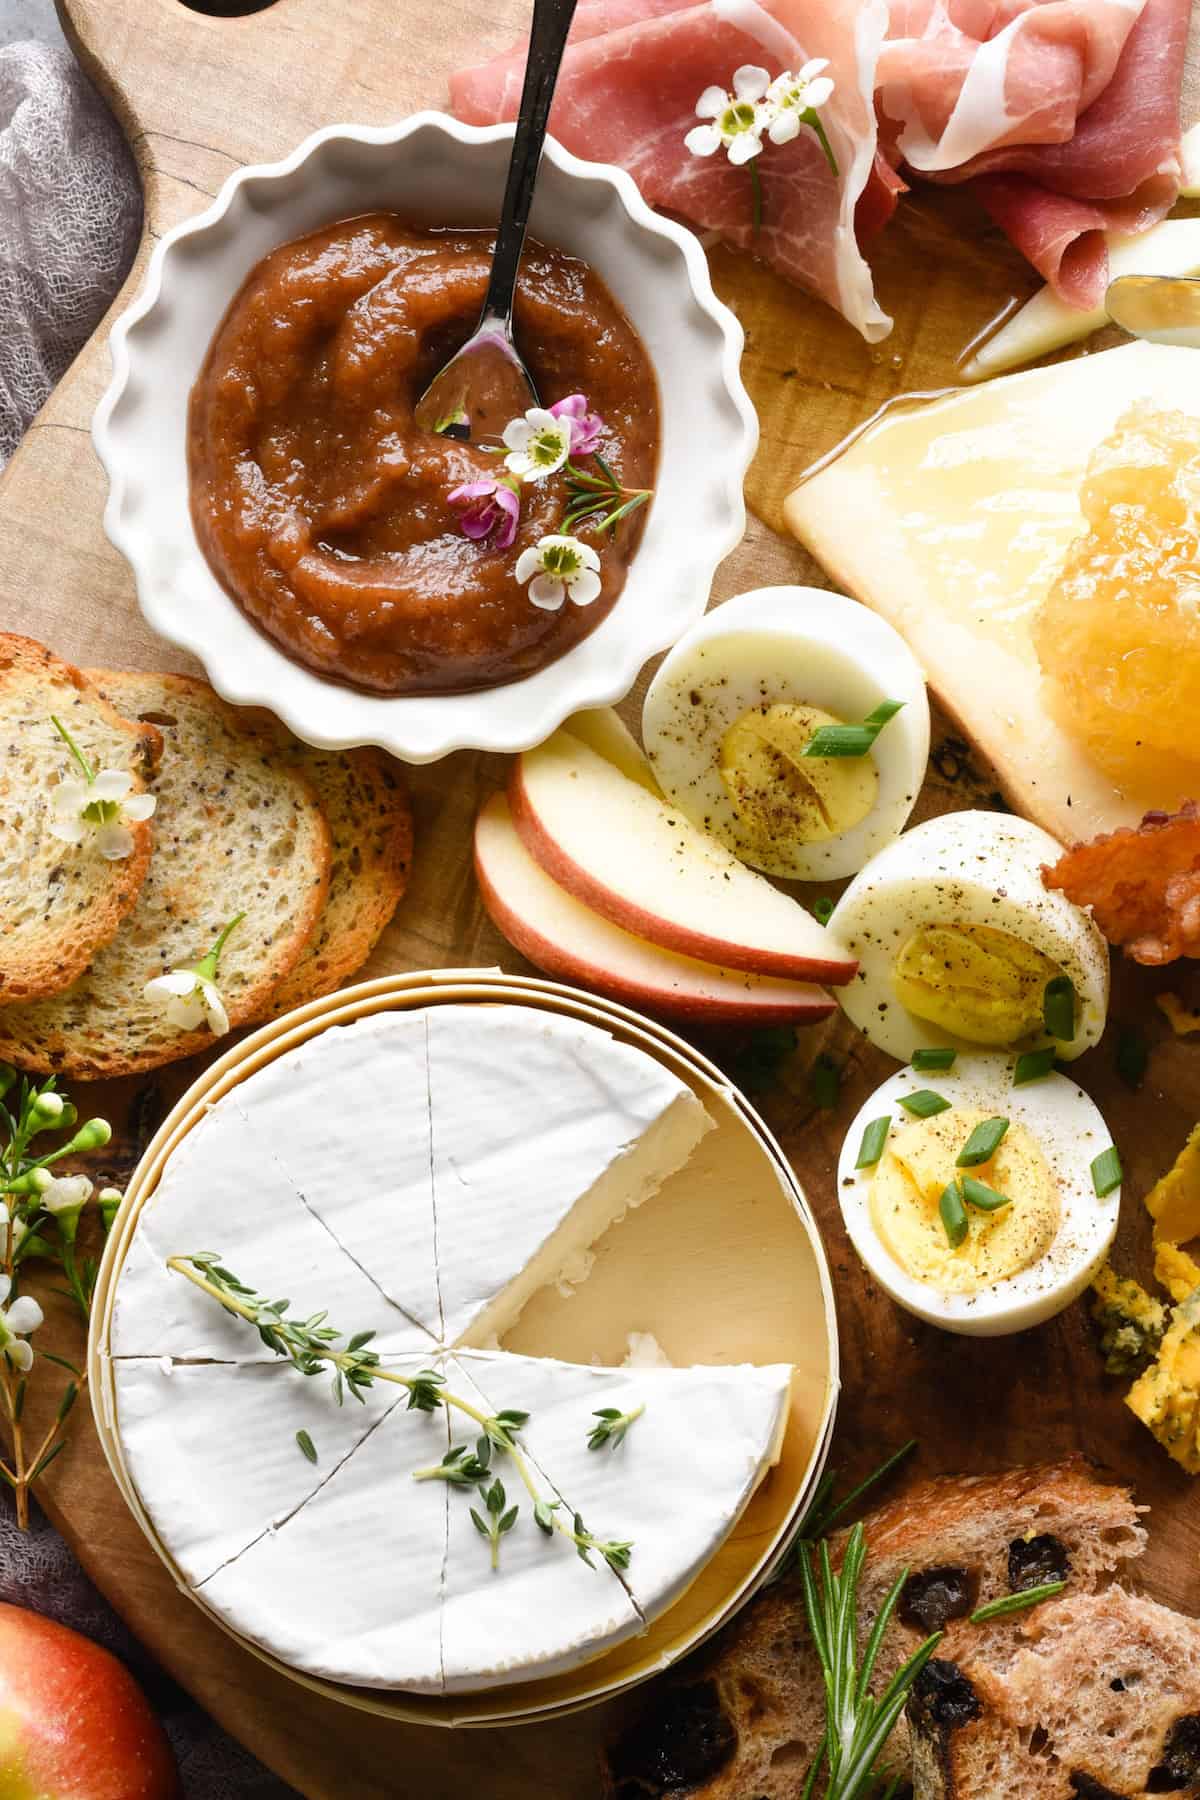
(347, 1116)
(349, 1586)
(193, 1432)
(684, 1472)
(543, 1610)
(224, 1191)
(972, 501)
(545, 1133)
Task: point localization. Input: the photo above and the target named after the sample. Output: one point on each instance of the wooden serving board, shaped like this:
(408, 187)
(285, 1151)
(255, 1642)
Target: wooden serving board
(198, 96)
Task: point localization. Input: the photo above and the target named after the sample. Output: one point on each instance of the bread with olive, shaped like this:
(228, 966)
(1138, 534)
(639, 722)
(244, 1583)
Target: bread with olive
(744, 1719)
(1103, 1704)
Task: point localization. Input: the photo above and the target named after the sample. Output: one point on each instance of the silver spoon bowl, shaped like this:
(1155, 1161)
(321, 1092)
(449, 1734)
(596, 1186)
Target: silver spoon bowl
(486, 383)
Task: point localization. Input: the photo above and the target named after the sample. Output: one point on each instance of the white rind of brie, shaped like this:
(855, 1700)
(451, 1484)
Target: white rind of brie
(421, 1175)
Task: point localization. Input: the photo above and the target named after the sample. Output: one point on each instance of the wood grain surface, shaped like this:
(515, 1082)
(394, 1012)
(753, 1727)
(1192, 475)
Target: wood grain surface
(198, 96)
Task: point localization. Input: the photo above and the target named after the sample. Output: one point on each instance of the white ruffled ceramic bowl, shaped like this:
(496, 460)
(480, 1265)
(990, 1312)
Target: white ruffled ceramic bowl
(432, 170)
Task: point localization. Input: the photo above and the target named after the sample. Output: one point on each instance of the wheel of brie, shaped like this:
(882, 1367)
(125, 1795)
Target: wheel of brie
(420, 1175)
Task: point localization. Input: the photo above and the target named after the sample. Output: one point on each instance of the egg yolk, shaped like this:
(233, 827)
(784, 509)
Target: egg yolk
(906, 1192)
(974, 981)
(782, 796)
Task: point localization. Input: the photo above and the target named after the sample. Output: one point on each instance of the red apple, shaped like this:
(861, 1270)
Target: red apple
(562, 936)
(74, 1724)
(631, 856)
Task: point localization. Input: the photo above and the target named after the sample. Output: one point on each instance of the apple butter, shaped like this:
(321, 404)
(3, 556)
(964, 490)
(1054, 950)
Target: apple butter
(324, 509)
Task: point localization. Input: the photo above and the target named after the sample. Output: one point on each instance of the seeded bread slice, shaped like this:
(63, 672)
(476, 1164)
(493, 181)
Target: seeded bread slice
(236, 830)
(743, 1721)
(365, 801)
(1104, 1705)
(59, 902)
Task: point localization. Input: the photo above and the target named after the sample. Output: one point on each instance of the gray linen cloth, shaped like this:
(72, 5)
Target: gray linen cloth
(70, 213)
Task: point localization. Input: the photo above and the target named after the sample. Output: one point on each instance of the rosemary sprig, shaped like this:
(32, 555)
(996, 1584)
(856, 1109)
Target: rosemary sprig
(1015, 1603)
(598, 500)
(857, 1724)
(613, 1425)
(310, 1345)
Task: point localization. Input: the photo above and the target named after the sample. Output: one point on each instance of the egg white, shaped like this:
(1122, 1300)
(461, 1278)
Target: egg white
(1070, 1133)
(787, 645)
(965, 868)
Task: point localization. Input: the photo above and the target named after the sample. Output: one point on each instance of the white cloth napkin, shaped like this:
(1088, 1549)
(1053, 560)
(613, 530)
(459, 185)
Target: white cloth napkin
(70, 213)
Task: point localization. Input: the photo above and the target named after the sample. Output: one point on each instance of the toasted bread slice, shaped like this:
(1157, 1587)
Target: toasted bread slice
(59, 902)
(365, 801)
(236, 830)
(1103, 1705)
(743, 1721)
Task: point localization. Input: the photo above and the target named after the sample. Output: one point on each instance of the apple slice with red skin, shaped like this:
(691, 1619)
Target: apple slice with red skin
(74, 1724)
(565, 938)
(634, 858)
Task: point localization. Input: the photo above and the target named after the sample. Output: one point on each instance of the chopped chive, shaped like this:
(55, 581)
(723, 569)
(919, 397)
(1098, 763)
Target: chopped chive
(1133, 1053)
(954, 1214)
(937, 1058)
(924, 1103)
(1058, 1008)
(306, 1444)
(824, 1082)
(851, 740)
(1033, 1065)
(1012, 1603)
(982, 1144)
(977, 1193)
(822, 909)
(873, 1140)
(1106, 1172)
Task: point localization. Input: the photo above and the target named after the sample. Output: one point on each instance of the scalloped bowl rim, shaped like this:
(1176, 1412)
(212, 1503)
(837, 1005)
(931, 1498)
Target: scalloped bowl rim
(471, 728)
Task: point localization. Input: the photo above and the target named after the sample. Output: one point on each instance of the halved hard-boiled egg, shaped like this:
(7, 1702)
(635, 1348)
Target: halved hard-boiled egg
(959, 942)
(980, 1205)
(745, 726)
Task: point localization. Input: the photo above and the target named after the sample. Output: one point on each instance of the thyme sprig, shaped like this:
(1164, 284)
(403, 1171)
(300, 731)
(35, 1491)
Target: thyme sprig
(499, 1517)
(39, 1221)
(613, 1425)
(311, 1346)
(596, 497)
(461, 1466)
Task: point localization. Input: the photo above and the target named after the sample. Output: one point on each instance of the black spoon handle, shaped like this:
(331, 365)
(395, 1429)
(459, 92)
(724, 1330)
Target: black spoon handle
(551, 23)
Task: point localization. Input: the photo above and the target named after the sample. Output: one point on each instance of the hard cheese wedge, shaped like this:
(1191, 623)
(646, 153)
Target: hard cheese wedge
(192, 1431)
(680, 1479)
(357, 1148)
(545, 1132)
(225, 1191)
(350, 1585)
(543, 1609)
(952, 520)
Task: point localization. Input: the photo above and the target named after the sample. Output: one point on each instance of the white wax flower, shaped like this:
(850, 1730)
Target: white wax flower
(22, 1317)
(737, 119)
(561, 568)
(538, 445)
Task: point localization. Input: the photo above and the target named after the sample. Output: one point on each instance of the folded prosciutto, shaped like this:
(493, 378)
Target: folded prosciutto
(1064, 114)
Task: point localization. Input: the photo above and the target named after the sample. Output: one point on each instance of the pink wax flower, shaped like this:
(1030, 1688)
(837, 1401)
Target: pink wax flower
(586, 426)
(491, 510)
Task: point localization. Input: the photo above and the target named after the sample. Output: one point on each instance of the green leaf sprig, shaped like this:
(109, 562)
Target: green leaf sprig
(596, 498)
(613, 1425)
(311, 1346)
(39, 1222)
(852, 740)
(498, 1518)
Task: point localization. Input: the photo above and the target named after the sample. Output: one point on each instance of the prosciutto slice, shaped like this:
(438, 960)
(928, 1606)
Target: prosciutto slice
(1062, 113)
(627, 93)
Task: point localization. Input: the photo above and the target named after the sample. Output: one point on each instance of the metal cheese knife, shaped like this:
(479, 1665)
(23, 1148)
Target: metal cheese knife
(1162, 309)
(485, 384)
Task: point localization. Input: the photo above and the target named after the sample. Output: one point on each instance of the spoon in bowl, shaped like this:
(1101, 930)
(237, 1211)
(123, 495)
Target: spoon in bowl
(485, 384)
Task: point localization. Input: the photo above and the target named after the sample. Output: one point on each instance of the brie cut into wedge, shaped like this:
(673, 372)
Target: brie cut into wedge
(421, 1175)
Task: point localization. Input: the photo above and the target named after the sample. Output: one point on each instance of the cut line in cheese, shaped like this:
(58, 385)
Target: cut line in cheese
(971, 502)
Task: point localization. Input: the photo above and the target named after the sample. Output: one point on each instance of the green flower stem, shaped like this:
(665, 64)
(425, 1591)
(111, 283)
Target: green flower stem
(84, 766)
(206, 968)
(345, 1360)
